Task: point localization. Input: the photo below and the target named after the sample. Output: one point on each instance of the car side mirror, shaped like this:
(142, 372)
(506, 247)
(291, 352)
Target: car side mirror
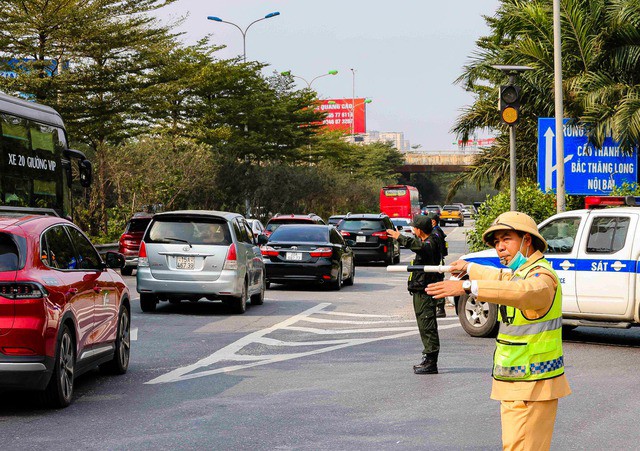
(262, 239)
(114, 260)
(85, 173)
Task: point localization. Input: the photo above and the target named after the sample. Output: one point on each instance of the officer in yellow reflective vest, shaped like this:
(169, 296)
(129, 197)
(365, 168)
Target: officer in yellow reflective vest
(528, 366)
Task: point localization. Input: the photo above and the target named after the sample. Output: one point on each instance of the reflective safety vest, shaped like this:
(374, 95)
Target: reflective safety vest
(530, 349)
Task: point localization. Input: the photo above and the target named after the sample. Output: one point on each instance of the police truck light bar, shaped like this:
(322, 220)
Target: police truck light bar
(610, 201)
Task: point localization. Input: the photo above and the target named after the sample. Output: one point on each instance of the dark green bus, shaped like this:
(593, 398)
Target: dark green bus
(36, 164)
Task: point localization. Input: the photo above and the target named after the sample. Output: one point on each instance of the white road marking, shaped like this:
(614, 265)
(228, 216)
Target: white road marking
(357, 315)
(133, 334)
(232, 351)
(344, 321)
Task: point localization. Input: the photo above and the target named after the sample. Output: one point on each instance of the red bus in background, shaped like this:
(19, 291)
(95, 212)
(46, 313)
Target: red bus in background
(400, 201)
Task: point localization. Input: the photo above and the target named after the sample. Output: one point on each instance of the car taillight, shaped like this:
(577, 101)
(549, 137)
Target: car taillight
(322, 252)
(232, 259)
(22, 290)
(343, 233)
(143, 261)
(382, 235)
(268, 251)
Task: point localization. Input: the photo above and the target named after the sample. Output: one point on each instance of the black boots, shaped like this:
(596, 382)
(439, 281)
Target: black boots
(429, 364)
(440, 312)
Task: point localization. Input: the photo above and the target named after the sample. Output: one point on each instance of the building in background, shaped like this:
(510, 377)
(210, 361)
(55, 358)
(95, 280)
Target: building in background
(395, 138)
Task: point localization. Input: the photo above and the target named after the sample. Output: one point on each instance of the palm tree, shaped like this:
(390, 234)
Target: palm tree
(601, 67)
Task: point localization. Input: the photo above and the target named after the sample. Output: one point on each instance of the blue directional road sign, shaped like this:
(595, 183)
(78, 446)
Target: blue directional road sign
(587, 170)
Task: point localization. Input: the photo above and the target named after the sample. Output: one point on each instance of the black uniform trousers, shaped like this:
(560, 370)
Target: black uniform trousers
(425, 309)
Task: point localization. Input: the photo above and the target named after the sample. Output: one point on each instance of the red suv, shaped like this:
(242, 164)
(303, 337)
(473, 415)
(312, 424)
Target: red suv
(129, 244)
(63, 310)
(279, 219)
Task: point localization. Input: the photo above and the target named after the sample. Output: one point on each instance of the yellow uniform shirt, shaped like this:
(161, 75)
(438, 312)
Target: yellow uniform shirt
(534, 296)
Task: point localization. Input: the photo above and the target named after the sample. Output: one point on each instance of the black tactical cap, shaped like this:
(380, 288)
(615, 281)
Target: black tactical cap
(422, 222)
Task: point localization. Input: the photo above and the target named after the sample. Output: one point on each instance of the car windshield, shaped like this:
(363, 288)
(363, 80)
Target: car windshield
(451, 208)
(189, 230)
(273, 225)
(301, 234)
(400, 222)
(354, 225)
(435, 207)
(138, 225)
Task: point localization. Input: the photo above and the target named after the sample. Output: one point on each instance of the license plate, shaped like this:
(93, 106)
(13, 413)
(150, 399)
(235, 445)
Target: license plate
(294, 256)
(361, 239)
(185, 262)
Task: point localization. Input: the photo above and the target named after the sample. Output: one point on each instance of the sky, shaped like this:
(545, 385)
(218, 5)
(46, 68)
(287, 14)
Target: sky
(406, 54)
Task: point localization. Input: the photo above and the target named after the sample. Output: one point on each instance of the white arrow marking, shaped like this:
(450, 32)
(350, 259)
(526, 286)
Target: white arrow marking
(548, 159)
(232, 351)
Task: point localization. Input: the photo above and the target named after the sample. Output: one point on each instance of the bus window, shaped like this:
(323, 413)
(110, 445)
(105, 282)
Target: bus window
(35, 163)
(42, 137)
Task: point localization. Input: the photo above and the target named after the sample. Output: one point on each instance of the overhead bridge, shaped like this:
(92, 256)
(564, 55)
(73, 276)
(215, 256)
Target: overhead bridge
(445, 161)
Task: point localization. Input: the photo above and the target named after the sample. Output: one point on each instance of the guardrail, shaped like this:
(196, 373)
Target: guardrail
(104, 248)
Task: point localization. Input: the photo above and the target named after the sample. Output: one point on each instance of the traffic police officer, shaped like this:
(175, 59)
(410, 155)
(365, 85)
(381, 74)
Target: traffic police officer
(528, 367)
(427, 252)
(441, 238)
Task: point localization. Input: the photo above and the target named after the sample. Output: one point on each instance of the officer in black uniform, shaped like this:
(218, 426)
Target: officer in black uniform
(441, 238)
(427, 252)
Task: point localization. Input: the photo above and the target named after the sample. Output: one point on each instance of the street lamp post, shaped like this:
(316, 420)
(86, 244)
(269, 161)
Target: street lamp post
(288, 73)
(244, 32)
(353, 104)
(247, 204)
(557, 70)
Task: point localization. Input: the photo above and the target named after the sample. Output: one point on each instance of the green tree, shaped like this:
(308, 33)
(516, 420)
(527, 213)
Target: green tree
(601, 66)
(101, 50)
(531, 201)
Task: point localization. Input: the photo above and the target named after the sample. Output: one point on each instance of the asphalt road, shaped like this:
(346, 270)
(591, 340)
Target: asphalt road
(321, 370)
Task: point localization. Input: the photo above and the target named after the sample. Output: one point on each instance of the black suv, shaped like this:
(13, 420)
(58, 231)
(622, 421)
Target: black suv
(369, 232)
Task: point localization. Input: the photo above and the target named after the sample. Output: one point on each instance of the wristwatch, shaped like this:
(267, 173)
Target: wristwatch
(466, 286)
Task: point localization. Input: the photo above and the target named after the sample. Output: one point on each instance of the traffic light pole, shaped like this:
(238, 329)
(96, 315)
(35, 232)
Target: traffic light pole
(512, 169)
(512, 157)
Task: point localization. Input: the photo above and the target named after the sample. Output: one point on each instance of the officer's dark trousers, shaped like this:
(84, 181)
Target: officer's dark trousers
(425, 308)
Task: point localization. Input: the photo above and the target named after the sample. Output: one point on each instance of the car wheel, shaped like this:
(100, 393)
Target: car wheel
(352, 276)
(338, 283)
(478, 319)
(120, 362)
(388, 259)
(461, 223)
(442, 223)
(59, 390)
(148, 302)
(126, 271)
(240, 303)
(267, 284)
(258, 298)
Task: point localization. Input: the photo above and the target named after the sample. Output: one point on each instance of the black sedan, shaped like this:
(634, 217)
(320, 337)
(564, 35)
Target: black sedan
(308, 253)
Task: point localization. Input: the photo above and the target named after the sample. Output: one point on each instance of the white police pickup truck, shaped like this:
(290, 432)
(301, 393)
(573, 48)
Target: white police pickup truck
(596, 254)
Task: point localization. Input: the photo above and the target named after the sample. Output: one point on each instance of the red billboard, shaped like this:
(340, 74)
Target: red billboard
(341, 112)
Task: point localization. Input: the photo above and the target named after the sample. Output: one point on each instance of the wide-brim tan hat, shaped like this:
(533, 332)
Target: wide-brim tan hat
(514, 220)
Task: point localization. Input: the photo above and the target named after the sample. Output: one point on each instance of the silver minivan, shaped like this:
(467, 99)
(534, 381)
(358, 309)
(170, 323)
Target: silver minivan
(195, 254)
